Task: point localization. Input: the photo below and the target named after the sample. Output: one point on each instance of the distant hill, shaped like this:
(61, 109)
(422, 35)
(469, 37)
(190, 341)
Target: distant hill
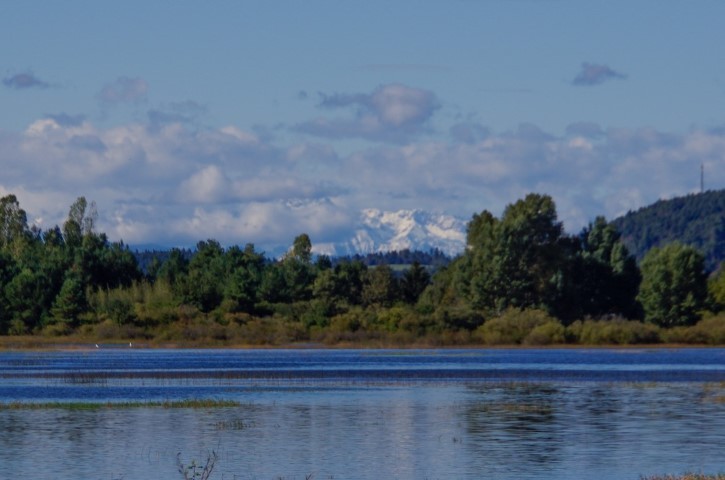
(697, 220)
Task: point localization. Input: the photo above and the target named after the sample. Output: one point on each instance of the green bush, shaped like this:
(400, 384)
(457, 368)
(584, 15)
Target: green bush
(512, 327)
(549, 333)
(708, 331)
(111, 330)
(616, 331)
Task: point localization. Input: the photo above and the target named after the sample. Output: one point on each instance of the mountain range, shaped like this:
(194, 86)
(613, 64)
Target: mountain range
(385, 231)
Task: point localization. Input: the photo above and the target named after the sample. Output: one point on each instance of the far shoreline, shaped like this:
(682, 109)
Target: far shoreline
(37, 343)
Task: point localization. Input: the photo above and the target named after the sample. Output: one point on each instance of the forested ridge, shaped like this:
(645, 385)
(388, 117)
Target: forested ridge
(697, 220)
(521, 280)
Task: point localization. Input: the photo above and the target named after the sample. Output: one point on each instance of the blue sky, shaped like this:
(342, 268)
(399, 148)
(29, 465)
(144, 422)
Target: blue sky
(255, 121)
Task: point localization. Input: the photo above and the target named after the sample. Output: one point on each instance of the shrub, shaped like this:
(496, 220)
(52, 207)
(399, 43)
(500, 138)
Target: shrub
(549, 333)
(512, 327)
(709, 331)
(109, 329)
(616, 331)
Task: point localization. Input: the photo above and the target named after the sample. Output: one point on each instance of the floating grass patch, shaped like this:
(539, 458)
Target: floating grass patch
(686, 476)
(522, 408)
(232, 425)
(192, 403)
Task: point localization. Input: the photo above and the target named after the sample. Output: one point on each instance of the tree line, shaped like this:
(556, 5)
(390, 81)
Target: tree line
(521, 279)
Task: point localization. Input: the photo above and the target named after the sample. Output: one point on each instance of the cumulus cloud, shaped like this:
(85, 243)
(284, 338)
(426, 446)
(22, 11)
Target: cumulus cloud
(24, 81)
(124, 90)
(174, 185)
(595, 74)
(391, 113)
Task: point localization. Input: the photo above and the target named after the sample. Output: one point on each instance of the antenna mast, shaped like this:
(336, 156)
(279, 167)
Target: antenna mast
(702, 178)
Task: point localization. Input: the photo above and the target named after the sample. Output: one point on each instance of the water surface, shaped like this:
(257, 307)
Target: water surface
(465, 414)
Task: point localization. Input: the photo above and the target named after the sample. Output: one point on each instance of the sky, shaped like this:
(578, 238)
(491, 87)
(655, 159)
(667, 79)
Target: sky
(255, 121)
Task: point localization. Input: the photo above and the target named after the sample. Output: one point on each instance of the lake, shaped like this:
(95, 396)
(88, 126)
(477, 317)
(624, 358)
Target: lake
(366, 414)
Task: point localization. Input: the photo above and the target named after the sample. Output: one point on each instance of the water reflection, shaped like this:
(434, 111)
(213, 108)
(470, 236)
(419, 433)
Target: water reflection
(513, 426)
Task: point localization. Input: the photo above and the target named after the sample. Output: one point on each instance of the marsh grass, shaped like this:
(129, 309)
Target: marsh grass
(192, 403)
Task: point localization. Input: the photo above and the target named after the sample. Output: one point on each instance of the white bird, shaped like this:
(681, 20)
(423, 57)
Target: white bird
(96, 345)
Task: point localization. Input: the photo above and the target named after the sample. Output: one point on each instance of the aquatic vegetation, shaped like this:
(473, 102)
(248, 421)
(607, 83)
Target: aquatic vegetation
(687, 476)
(195, 471)
(232, 425)
(191, 403)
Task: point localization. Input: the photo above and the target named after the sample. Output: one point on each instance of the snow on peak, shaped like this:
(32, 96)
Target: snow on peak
(381, 231)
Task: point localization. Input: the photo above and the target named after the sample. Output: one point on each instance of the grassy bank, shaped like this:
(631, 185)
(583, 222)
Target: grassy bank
(393, 327)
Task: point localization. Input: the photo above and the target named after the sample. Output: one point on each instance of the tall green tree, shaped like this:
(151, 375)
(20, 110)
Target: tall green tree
(204, 284)
(527, 254)
(380, 287)
(70, 302)
(602, 278)
(245, 270)
(81, 221)
(674, 285)
(22, 295)
(13, 223)
(298, 270)
(8, 270)
(413, 282)
(481, 262)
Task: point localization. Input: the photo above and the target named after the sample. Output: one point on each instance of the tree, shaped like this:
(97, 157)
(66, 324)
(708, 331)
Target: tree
(204, 286)
(674, 285)
(349, 279)
(716, 288)
(244, 278)
(70, 302)
(80, 222)
(298, 270)
(414, 281)
(174, 269)
(602, 278)
(13, 222)
(302, 248)
(24, 294)
(482, 239)
(380, 287)
(8, 270)
(515, 260)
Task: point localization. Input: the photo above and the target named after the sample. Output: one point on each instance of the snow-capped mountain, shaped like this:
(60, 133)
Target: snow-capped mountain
(380, 231)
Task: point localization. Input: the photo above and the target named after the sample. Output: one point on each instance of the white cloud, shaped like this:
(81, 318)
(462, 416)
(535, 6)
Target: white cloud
(209, 185)
(174, 185)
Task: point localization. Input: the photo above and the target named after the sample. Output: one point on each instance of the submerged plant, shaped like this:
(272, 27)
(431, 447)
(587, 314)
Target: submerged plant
(195, 471)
